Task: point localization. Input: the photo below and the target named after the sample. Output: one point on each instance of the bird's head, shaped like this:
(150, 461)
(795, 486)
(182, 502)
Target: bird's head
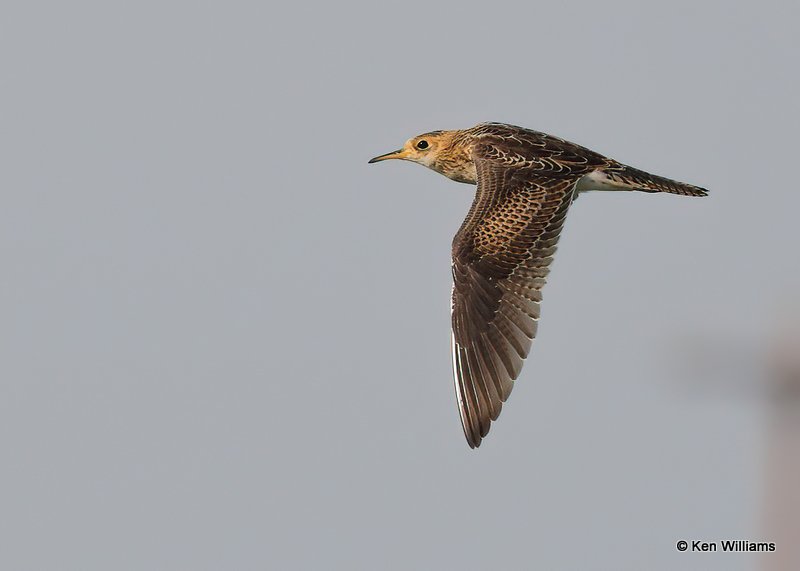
(423, 149)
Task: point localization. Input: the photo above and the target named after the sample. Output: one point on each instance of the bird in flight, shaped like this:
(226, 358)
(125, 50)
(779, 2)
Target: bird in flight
(503, 250)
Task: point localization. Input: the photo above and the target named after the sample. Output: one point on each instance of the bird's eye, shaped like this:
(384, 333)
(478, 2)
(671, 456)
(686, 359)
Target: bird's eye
(422, 144)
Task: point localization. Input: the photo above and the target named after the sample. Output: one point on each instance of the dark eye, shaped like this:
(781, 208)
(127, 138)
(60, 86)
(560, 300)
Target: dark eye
(422, 144)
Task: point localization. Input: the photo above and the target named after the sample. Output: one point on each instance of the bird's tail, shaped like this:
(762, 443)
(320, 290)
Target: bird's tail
(629, 178)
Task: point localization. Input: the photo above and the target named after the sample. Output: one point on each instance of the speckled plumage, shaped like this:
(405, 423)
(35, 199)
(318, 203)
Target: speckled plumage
(502, 252)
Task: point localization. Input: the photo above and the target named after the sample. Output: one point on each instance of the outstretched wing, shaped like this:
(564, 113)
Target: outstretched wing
(501, 257)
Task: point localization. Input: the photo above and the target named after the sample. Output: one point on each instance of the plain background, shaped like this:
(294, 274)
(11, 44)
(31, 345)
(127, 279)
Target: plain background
(225, 338)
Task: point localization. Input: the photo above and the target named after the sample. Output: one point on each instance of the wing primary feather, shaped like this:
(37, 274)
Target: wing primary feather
(493, 388)
(504, 380)
(468, 406)
(474, 386)
(484, 389)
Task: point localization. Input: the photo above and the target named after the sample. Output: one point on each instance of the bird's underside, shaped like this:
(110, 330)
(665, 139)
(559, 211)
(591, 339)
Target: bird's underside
(501, 256)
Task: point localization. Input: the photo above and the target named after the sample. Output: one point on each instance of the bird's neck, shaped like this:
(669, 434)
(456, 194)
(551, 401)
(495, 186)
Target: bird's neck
(455, 161)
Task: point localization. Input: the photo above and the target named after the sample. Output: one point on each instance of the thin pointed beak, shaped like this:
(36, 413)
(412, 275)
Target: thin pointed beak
(398, 154)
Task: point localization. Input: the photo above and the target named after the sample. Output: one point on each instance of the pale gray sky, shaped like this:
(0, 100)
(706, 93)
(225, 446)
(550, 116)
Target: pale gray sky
(224, 337)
